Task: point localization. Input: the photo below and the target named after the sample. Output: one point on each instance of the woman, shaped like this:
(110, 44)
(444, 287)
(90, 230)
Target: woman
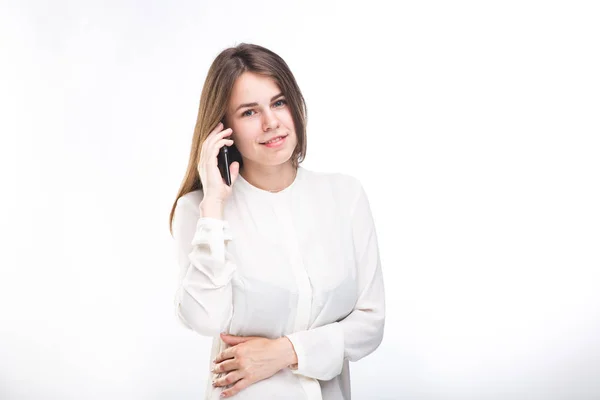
(285, 261)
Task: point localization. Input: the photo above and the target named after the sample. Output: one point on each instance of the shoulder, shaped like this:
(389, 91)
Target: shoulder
(188, 205)
(193, 197)
(343, 187)
(338, 182)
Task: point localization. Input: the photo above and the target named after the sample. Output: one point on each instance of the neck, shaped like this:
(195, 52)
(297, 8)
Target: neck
(272, 178)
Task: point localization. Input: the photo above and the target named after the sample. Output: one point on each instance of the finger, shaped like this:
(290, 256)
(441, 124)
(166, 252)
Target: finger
(210, 156)
(235, 340)
(216, 129)
(219, 133)
(241, 384)
(226, 355)
(226, 366)
(214, 142)
(218, 146)
(246, 338)
(212, 133)
(229, 379)
(234, 170)
(213, 137)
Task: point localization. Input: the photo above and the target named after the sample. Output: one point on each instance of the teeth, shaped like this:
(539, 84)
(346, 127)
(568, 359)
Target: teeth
(274, 140)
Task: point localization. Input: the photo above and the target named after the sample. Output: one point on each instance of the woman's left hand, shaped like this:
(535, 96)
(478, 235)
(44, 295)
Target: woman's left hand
(251, 359)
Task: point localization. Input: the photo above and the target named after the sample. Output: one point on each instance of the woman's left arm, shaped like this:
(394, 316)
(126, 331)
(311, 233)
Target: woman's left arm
(321, 351)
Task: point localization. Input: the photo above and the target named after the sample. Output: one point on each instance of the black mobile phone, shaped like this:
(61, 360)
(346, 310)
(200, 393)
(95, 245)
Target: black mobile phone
(224, 162)
(227, 155)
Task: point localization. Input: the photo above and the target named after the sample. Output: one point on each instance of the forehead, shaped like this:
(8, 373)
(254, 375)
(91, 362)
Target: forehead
(250, 87)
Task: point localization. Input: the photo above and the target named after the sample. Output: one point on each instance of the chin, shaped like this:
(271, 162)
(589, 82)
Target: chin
(279, 159)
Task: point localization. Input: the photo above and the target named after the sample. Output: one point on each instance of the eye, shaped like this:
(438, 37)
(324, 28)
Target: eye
(281, 101)
(246, 115)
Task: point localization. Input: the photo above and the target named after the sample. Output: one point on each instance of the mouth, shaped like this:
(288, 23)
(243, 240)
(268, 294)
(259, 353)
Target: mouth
(277, 141)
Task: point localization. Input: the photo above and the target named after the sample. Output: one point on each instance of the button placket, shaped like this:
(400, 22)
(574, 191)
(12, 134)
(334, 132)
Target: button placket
(311, 386)
(298, 269)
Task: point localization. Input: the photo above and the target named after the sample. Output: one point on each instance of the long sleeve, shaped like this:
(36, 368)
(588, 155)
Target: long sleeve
(322, 350)
(203, 298)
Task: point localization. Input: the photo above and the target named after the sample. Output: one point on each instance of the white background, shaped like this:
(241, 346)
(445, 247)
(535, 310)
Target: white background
(474, 127)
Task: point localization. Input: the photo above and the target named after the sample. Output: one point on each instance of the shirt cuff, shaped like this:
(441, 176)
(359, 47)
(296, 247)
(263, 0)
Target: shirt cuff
(320, 351)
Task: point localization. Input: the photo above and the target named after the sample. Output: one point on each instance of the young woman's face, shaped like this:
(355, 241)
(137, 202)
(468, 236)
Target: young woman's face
(257, 112)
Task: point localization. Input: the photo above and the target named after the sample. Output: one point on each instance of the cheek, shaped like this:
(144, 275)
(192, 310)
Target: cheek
(287, 120)
(243, 141)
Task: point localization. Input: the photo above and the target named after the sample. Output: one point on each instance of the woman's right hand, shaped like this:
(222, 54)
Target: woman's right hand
(213, 185)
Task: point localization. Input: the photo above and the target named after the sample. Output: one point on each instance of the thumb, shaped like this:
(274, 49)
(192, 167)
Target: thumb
(235, 340)
(234, 170)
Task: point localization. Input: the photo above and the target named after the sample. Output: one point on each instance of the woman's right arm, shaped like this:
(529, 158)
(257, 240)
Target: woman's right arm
(203, 299)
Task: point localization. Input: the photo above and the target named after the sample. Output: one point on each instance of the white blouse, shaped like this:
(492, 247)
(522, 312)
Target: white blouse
(302, 263)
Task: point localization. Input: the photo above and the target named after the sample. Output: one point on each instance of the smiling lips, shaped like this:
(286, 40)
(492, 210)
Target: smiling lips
(275, 142)
(275, 139)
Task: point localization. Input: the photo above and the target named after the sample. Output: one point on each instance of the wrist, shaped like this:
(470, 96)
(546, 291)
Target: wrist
(288, 354)
(212, 208)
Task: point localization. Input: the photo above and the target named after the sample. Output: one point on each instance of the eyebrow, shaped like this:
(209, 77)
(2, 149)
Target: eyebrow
(255, 104)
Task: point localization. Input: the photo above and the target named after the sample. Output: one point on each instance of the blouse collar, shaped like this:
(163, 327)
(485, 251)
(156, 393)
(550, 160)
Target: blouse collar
(247, 187)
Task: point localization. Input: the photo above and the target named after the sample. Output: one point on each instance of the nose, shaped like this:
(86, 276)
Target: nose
(270, 121)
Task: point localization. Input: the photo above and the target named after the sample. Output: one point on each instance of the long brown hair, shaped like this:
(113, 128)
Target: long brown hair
(222, 74)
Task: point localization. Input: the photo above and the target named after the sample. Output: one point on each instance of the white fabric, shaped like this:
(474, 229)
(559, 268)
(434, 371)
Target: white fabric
(302, 263)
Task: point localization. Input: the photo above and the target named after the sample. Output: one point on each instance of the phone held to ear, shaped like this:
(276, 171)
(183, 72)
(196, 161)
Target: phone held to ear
(224, 162)
(227, 155)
